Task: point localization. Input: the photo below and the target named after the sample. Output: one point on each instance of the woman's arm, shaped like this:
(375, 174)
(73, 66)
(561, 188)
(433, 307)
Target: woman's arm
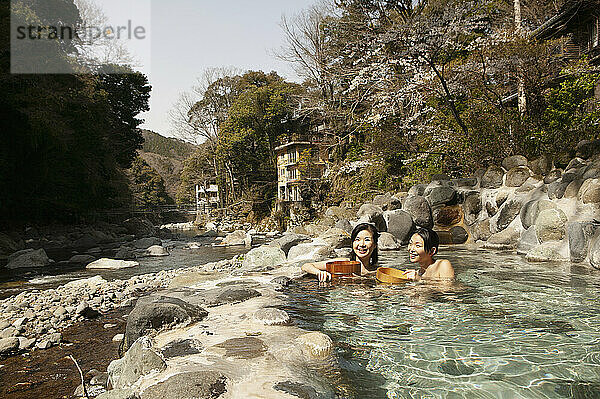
(318, 269)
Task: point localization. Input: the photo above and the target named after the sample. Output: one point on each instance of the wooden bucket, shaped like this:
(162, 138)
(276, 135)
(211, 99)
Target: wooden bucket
(343, 268)
(390, 275)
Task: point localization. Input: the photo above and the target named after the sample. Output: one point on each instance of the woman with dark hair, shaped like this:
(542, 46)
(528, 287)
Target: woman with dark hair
(422, 247)
(364, 249)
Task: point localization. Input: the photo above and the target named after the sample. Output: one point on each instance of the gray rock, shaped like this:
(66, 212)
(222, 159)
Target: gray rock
(440, 177)
(550, 225)
(26, 343)
(28, 258)
(83, 259)
(514, 162)
(447, 215)
(527, 241)
(501, 196)
(272, 316)
(387, 202)
(316, 344)
(465, 182)
(400, 225)
(263, 257)
(441, 195)
(181, 347)
(233, 295)
(9, 346)
(243, 348)
(575, 163)
(573, 188)
(580, 235)
(125, 253)
(156, 250)
(139, 227)
(530, 184)
(589, 193)
(338, 213)
(419, 209)
(144, 243)
(193, 385)
(471, 208)
(417, 189)
(155, 312)
(85, 310)
(372, 214)
(493, 177)
(343, 224)
(112, 264)
(336, 238)
(126, 393)
(571, 175)
(288, 240)
(282, 281)
(516, 176)
(541, 165)
(587, 148)
(387, 242)
(508, 212)
(99, 379)
(505, 239)
(491, 208)
(592, 171)
(459, 235)
(138, 361)
(235, 238)
(531, 209)
(545, 252)
(553, 176)
(310, 251)
(556, 189)
(300, 390)
(594, 252)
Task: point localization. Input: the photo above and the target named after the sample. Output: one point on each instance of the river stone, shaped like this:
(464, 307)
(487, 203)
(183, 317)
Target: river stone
(144, 243)
(271, 316)
(207, 384)
(505, 239)
(139, 227)
(9, 345)
(310, 251)
(550, 225)
(472, 208)
(400, 225)
(337, 213)
(481, 230)
(553, 176)
(126, 393)
(235, 238)
(420, 211)
(572, 188)
(316, 344)
(156, 250)
(303, 391)
(575, 163)
(372, 214)
(233, 295)
(155, 312)
(387, 242)
(529, 185)
(541, 165)
(336, 238)
(594, 252)
(26, 343)
(493, 177)
(514, 162)
(580, 234)
(501, 196)
(557, 189)
(570, 175)
(83, 259)
(9, 245)
(192, 278)
(459, 235)
(282, 281)
(517, 175)
(491, 208)
(125, 253)
(589, 193)
(591, 171)
(441, 195)
(243, 348)
(587, 148)
(465, 182)
(181, 347)
(262, 258)
(288, 240)
(531, 209)
(387, 202)
(528, 241)
(447, 215)
(28, 258)
(545, 252)
(417, 190)
(508, 212)
(343, 224)
(113, 264)
(138, 361)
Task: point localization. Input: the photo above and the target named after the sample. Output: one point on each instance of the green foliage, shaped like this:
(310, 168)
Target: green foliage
(166, 146)
(197, 170)
(148, 186)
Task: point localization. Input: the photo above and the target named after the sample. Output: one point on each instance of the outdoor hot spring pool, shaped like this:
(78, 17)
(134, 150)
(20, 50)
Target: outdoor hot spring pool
(506, 329)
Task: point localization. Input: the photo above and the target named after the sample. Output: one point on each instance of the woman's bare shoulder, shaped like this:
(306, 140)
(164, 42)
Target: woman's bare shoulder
(443, 268)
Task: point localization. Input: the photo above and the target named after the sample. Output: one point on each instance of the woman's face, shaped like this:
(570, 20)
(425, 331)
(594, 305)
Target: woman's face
(416, 250)
(363, 245)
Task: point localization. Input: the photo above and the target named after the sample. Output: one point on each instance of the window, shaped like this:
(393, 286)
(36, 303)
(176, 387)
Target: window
(292, 156)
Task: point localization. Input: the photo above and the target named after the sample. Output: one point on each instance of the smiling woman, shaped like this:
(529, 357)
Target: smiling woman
(364, 249)
(422, 247)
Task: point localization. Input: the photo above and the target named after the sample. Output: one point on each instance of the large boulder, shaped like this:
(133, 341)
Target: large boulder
(505, 239)
(155, 312)
(336, 238)
(556, 189)
(237, 237)
(113, 264)
(417, 189)
(288, 240)
(587, 148)
(400, 225)
(263, 257)
(552, 176)
(372, 214)
(492, 177)
(140, 227)
(147, 242)
(156, 250)
(9, 346)
(508, 212)
(458, 235)
(420, 211)
(594, 252)
(344, 224)
(447, 215)
(527, 241)
(580, 235)
(82, 258)
(541, 165)
(271, 316)
(550, 225)
(138, 361)
(589, 193)
(311, 251)
(441, 195)
(387, 242)
(316, 344)
(472, 207)
(189, 385)
(516, 176)
(465, 182)
(480, 231)
(387, 202)
(514, 162)
(9, 245)
(338, 212)
(546, 252)
(531, 209)
(28, 258)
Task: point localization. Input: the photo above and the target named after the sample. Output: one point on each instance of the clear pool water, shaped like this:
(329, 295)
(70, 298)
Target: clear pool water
(505, 329)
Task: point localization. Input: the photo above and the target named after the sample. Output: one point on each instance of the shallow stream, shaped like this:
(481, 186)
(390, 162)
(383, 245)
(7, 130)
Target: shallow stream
(505, 329)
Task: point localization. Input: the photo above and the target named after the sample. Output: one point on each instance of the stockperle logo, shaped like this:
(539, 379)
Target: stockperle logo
(80, 36)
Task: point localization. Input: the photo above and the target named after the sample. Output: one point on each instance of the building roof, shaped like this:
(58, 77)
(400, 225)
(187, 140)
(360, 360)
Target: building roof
(559, 23)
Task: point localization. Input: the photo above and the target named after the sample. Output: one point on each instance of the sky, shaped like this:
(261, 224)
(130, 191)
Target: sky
(185, 37)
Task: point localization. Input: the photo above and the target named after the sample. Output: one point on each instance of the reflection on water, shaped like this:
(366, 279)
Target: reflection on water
(505, 328)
